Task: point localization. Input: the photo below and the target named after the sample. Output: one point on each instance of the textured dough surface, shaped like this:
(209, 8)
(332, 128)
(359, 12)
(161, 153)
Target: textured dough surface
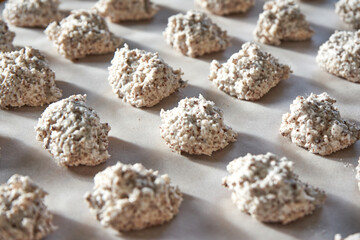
(26, 79)
(142, 78)
(32, 13)
(280, 21)
(266, 187)
(248, 74)
(6, 37)
(131, 197)
(340, 55)
(194, 34)
(126, 10)
(195, 126)
(349, 12)
(23, 213)
(72, 133)
(82, 33)
(315, 124)
(355, 236)
(226, 7)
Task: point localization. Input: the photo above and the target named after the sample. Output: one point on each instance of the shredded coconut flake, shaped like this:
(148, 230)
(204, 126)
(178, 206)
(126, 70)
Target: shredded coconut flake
(280, 21)
(72, 133)
(266, 187)
(142, 78)
(194, 34)
(226, 7)
(131, 197)
(349, 12)
(315, 124)
(196, 126)
(248, 74)
(23, 214)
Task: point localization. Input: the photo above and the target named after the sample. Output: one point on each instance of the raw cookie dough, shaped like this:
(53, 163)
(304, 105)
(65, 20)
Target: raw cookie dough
(194, 34)
(131, 197)
(266, 187)
(280, 21)
(349, 12)
(340, 55)
(248, 74)
(72, 133)
(226, 7)
(82, 33)
(355, 236)
(142, 78)
(315, 124)
(6, 37)
(26, 79)
(23, 214)
(195, 126)
(32, 13)
(126, 10)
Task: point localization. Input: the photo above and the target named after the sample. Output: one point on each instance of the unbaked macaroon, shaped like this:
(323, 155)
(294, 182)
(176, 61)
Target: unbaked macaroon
(280, 21)
(315, 124)
(32, 13)
(26, 79)
(6, 37)
(131, 197)
(195, 126)
(248, 74)
(225, 7)
(126, 10)
(349, 12)
(355, 236)
(72, 133)
(194, 34)
(82, 33)
(340, 55)
(24, 215)
(266, 187)
(142, 78)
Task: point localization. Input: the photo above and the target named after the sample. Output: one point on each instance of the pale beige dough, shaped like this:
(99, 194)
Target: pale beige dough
(126, 10)
(340, 55)
(82, 33)
(280, 21)
(72, 133)
(266, 187)
(194, 34)
(26, 79)
(315, 124)
(195, 126)
(32, 13)
(131, 197)
(355, 236)
(23, 213)
(142, 78)
(225, 7)
(248, 74)
(349, 12)
(6, 37)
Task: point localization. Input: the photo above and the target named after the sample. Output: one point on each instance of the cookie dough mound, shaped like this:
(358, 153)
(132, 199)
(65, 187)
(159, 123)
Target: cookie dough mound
(126, 10)
(131, 197)
(32, 13)
(355, 236)
(315, 124)
(194, 34)
(82, 33)
(349, 12)
(282, 21)
(340, 55)
(195, 126)
(266, 187)
(23, 214)
(6, 37)
(226, 7)
(142, 78)
(248, 74)
(26, 79)
(72, 133)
